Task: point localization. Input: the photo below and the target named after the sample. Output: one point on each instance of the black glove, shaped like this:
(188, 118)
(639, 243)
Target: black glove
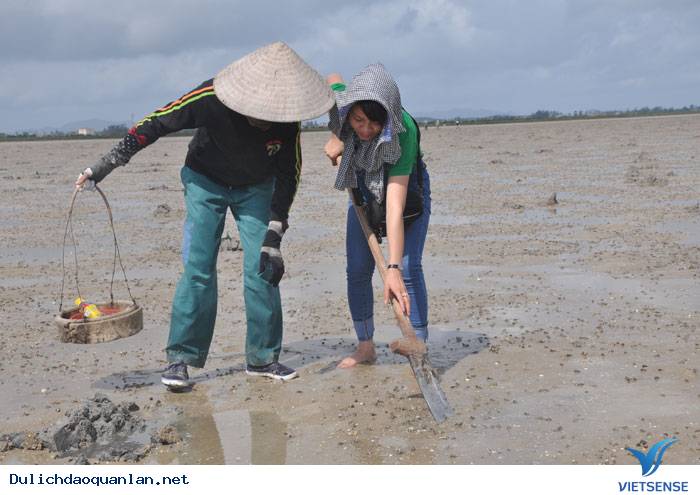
(271, 262)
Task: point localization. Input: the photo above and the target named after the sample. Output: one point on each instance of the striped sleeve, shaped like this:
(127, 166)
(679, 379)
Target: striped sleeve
(287, 175)
(187, 112)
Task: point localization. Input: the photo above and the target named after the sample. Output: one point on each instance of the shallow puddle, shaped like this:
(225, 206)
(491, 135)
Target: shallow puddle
(234, 437)
(688, 231)
(677, 294)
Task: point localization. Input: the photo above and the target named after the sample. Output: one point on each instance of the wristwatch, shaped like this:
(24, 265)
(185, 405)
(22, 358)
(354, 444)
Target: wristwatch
(394, 266)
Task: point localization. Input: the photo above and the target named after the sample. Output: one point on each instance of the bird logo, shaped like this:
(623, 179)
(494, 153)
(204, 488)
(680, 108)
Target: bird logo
(652, 459)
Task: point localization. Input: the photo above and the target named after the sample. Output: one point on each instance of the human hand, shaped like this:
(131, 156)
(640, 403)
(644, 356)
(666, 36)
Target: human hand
(83, 182)
(334, 78)
(334, 149)
(271, 266)
(394, 288)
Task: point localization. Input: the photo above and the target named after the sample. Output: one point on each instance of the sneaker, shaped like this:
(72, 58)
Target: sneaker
(274, 370)
(175, 376)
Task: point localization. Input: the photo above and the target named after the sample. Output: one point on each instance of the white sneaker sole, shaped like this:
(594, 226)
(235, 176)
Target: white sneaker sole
(272, 375)
(175, 384)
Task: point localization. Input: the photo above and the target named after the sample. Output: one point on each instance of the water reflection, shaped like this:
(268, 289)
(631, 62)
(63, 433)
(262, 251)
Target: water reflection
(236, 437)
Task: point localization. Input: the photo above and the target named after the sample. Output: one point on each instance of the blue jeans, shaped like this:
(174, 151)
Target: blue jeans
(360, 268)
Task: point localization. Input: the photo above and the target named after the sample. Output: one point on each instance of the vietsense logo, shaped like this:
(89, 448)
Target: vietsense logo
(652, 459)
(650, 462)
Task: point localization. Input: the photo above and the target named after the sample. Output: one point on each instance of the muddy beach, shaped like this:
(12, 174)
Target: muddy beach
(564, 330)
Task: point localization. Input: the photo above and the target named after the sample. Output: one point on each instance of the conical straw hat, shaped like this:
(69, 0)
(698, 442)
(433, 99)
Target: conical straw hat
(273, 83)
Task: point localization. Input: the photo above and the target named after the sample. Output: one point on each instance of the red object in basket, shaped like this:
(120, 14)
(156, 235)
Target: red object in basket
(106, 310)
(110, 310)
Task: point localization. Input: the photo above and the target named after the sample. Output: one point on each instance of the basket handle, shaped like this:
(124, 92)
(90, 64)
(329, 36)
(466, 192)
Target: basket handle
(117, 255)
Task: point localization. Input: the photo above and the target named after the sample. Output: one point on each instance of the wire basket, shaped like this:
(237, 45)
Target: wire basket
(119, 319)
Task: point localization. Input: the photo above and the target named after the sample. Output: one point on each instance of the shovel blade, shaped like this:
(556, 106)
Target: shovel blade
(429, 384)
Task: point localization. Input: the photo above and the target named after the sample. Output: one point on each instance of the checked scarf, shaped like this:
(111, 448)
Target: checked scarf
(372, 83)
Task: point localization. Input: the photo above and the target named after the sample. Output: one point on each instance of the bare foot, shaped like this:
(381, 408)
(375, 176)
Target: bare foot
(364, 354)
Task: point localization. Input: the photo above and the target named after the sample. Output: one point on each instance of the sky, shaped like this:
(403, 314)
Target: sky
(70, 60)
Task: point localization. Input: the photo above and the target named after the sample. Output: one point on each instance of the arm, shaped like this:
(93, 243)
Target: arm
(187, 112)
(334, 147)
(397, 189)
(334, 78)
(395, 202)
(287, 177)
(337, 85)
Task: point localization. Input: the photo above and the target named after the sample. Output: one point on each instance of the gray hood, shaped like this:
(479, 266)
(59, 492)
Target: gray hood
(373, 83)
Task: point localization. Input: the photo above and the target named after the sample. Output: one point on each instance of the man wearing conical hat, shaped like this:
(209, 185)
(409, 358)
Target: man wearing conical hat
(245, 156)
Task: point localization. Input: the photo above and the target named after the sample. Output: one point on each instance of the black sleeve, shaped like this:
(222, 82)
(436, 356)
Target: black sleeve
(187, 112)
(287, 176)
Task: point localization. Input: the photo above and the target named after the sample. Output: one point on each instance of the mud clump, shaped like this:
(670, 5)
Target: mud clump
(97, 431)
(167, 435)
(81, 460)
(98, 422)
(31, 441)
(645, 175)
(228, 243)
(162, 210)
(23, 440)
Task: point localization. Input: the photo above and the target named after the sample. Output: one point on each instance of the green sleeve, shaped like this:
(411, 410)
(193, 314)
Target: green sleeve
(409, 148)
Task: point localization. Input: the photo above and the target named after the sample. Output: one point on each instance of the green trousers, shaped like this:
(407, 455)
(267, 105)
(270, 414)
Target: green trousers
(194, 306)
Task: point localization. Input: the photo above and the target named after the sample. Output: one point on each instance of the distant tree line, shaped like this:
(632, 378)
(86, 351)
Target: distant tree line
(544, 115)
(112, 131)
(118, 131)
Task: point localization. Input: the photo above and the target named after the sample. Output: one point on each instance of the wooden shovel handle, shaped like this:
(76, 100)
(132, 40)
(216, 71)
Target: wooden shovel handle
(403, 321)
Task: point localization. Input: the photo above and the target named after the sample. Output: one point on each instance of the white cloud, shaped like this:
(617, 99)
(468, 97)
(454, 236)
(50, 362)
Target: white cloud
(453, 18)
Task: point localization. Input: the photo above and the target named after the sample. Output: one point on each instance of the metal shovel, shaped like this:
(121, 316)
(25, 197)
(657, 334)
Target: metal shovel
(409, 346)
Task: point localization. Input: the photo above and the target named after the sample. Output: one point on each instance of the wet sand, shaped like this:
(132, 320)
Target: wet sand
(564, 333)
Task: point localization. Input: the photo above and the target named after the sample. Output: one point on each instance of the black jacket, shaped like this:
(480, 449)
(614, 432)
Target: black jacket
(225, 147)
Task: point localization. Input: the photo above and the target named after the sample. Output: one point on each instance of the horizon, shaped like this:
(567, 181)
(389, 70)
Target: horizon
(72, 127)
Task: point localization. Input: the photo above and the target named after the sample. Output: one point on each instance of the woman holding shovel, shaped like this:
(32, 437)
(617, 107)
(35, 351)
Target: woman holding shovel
(378, 145)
